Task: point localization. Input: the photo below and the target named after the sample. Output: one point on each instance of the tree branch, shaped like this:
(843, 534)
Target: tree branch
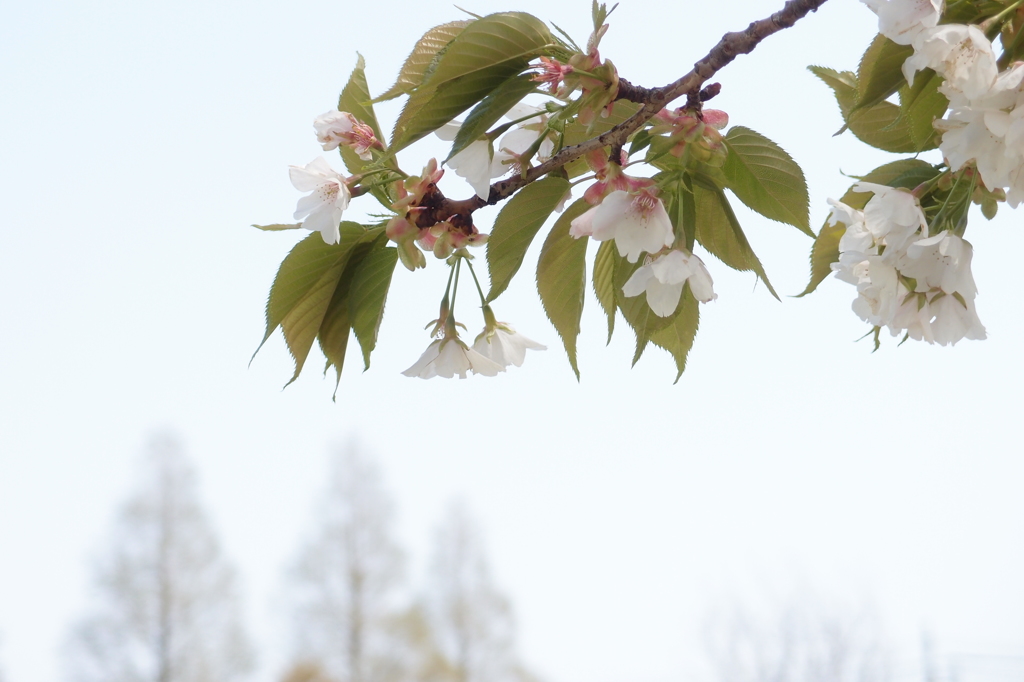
(653, 101)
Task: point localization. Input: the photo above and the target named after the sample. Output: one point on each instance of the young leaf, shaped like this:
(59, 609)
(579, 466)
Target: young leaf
(368, 293)
(604, 282)
(354, 100)
(304, 286)
(908, 173)
(278, 227)
(880, 126)
(920, 106)
(880, 73)
(483, 56)
(490, 109)
(561, 278)
(767, 179)
(516, 226)
(720, 233)
(415, 67)
(677, 338)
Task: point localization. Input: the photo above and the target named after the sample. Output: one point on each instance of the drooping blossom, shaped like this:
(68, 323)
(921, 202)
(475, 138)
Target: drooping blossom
(321, 210)
(478, 163)
(637, 221)
(334, 128)
(503, 344)
(901, 20)
(517, 141)
(448, 356)
(663, 277)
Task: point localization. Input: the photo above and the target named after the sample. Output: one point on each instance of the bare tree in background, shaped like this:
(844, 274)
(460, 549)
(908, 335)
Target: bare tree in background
(166, 605)
(346, 578)
(802, 643)
(472, 621)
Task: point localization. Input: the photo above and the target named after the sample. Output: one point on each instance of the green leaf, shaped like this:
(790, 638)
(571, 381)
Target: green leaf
(368, 294)
(354, 100)
(413, 71)
(879, 126)
(880, 73)
(561, 279)
(516, 226)
(278, 227)
(304, 286)
(490, 109)
(678, 337)
(767, 179)
(604, 282)
(720, 233)
(920, 106)
(908, 173)
(483, 56)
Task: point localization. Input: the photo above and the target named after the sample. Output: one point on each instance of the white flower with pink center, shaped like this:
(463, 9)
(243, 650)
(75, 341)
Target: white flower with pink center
(637, 221)
(329, 197)
(662, 280)
(334, 128)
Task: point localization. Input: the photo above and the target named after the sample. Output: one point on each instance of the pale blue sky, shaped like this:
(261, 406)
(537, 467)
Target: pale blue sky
(139, 142)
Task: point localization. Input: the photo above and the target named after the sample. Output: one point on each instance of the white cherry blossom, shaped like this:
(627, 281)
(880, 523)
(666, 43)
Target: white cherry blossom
(447, 357)
(663, 277)
(329, 198)
(955, 320)
(961, 54)
(901, 20)
(637, 222)
(478, 163)
(505, 346)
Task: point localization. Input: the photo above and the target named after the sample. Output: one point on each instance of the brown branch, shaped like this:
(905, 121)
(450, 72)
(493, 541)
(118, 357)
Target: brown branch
(653, 101)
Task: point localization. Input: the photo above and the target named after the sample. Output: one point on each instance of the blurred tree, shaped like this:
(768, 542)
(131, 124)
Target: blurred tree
(803, 643)
(166, 605)
(346, 578)
(471, 619)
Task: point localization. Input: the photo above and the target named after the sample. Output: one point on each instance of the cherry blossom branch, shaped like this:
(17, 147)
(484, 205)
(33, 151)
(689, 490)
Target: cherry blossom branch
(653, 100)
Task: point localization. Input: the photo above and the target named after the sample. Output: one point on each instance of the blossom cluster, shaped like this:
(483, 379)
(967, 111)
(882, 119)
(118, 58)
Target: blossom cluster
(907, 280)
(985, 122)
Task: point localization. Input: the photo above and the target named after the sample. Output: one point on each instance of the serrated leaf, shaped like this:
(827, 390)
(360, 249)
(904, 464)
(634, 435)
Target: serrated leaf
(879, 126)
(767, 179)
(908, 173)
(304, 286)
(483, 56)
(678, 337)
(516, 226)
(337, 324)
(604, 282)
(490, 109)
(920, 106)
(719, 231)
(353, 99)
(368, 294)
(561, 279)
(411, 75)
(880, 73)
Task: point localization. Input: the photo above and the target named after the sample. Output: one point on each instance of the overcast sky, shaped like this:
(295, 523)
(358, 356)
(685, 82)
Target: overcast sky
(138, 143)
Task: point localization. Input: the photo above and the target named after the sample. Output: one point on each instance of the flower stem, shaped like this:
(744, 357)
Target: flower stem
(472, 271)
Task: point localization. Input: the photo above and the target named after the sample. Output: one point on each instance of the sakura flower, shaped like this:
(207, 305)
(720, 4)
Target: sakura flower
(955, 318)
(901, 20)
(637, 221)
(329, 198)
(940, 262)
(335, 128)
(892, 216)
(449, 356)
(478, 163)
(516, 142)
(663, 278)
(503, 344)
(961, 54)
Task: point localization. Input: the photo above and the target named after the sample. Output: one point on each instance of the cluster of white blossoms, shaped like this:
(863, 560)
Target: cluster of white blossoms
(985, 123)
(907, 280)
